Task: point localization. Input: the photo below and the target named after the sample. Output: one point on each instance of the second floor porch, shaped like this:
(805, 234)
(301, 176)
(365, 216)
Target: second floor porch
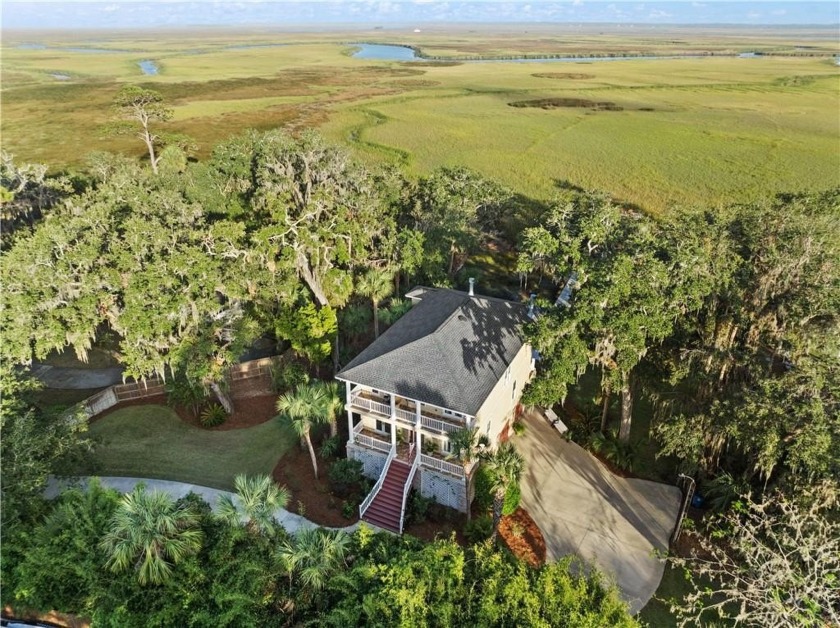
(404, 412)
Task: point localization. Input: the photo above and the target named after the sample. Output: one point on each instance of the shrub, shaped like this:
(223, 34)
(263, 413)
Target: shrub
(329, 447)
(348, 510)
(417, 507)
(213, 415)
(724, 489)
(479, 529)
(483, 498)
(183, 393)
(440, 513)
(621, 454)
(345, 476)
(512, 498)
(289, 376)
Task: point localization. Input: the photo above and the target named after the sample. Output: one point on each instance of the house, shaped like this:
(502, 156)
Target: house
(454, 361)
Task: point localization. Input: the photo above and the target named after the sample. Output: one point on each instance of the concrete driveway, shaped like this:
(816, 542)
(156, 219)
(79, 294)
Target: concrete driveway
(583, 509)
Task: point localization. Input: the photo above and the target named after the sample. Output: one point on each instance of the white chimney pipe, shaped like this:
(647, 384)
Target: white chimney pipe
(472, 287)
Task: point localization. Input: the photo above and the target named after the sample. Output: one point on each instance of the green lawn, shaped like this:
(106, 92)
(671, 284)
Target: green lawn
(152, 442)
(657, 613)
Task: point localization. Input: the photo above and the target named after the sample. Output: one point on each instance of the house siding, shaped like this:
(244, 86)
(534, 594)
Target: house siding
(497, 410)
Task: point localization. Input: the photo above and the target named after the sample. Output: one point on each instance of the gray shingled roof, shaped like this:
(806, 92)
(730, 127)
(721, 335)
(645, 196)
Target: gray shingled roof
(448, 350)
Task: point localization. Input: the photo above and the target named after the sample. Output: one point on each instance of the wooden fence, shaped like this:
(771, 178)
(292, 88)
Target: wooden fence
(245, 372)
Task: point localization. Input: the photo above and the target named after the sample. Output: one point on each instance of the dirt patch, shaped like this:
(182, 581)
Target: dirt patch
(575, 76)
(247, 411)
(523, 537)
(560, 103)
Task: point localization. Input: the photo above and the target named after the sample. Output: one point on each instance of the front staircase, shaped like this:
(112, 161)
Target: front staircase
(385, 511)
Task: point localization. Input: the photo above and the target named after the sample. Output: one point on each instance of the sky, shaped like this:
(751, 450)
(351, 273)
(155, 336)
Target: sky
(165, 13)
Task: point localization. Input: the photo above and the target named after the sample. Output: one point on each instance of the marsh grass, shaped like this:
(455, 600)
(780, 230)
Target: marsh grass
(691, 131)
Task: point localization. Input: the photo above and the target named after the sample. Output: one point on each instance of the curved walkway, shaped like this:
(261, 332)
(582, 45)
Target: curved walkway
(289, 520)
(614, 523)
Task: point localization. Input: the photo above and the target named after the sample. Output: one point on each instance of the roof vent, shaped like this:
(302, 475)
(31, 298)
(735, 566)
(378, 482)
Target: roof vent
(472, 286)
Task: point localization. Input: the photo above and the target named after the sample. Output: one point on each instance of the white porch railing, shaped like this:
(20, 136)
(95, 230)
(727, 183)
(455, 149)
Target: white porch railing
(367, 501)
(357, 400)
(414, 460)
(435, 425)
(406, 416)
(442, 465)
(369, 441)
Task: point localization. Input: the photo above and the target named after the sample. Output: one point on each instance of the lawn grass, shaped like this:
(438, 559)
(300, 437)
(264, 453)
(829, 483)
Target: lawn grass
(657, 612)
(150, 441)
(691, 131)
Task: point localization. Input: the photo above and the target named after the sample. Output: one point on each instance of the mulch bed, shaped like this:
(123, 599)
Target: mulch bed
(434, 528)
(294, 471)
(523, 537)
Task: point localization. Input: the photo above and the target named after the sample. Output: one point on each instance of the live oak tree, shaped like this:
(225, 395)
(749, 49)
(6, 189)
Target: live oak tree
(754, 369)
(773, 562)
(622, 300)
(144, 107)
(455, 210)
(25, 193)
(135, 255)
(313, 214)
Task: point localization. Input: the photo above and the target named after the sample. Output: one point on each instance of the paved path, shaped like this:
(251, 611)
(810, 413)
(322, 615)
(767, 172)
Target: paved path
(289, 520)
(77, 378)
(582, 508)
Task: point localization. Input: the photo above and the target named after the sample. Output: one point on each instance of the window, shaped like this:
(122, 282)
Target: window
(513, 391)
(383, 427)
(447, 447)
(507, 375)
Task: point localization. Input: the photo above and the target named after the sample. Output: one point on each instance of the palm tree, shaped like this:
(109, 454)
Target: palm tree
(258, 498)
(152, 533)
(377, 285)
(303, 408)
(313, 555)
(332, 404)
(505, 466)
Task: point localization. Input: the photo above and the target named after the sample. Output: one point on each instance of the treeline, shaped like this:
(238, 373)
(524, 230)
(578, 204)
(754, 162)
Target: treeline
(726, 319)
(143, 560)
(273, 235)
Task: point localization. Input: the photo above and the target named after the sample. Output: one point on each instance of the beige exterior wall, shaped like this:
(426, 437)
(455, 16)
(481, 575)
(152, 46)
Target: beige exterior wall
(500, 403)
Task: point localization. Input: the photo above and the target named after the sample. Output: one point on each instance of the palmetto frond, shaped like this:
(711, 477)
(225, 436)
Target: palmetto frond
(313, 555)
(257, 500)
(151, 533)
